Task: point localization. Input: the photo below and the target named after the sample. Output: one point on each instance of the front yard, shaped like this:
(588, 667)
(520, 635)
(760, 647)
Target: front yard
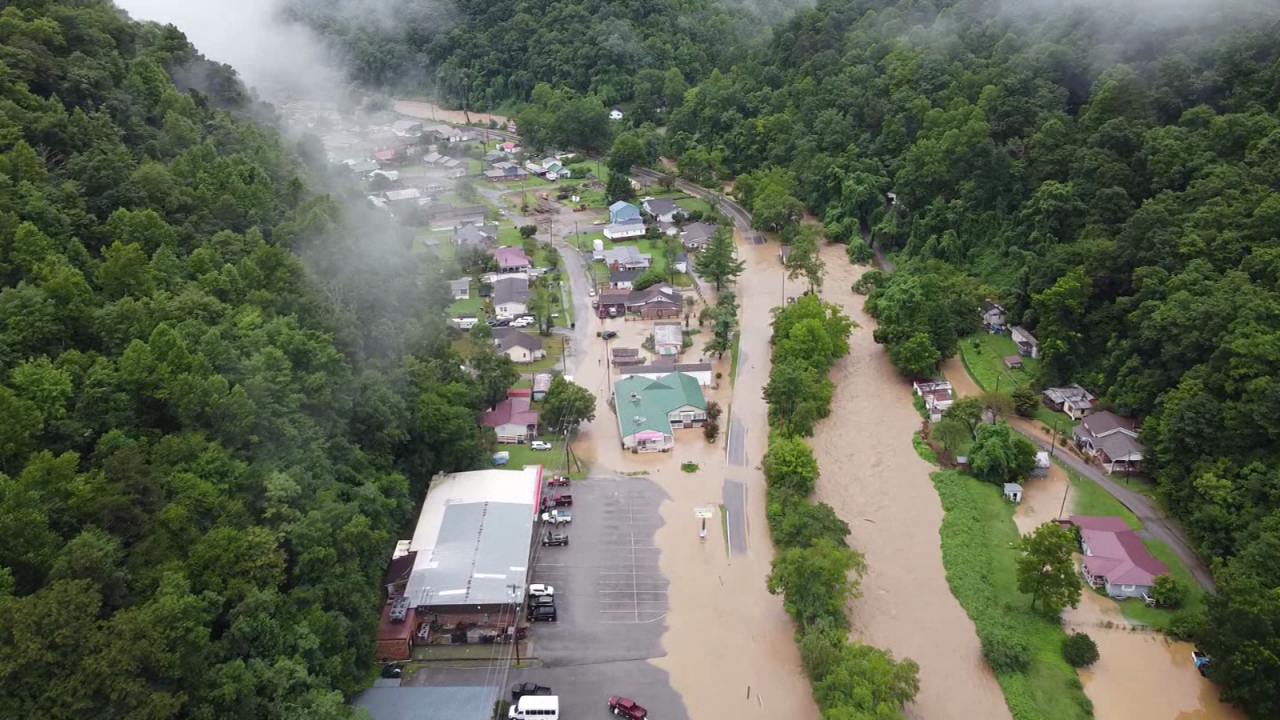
(983, 355)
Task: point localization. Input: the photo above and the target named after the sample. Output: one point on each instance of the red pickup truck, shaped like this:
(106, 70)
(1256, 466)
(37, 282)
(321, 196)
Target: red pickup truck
(627, 708)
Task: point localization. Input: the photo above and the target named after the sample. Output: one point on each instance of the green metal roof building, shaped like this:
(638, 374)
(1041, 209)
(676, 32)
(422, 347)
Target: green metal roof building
(650, 410)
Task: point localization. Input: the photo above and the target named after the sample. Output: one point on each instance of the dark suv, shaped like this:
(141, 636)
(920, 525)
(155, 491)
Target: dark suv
(542, 613)
(555, 538)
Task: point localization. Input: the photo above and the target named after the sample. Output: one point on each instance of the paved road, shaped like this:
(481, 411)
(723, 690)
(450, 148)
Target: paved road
(735, 511)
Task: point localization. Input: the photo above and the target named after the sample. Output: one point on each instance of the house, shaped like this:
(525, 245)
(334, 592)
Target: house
(1026, 342)
(624, 231)
(451, 163)
(1112, 439)
(509, 147)
(668, 338)
(623, 212)
(390, 175)
(993, 316)
(623, 279)
(624, 257)
(1013, 492)
(1013, 362)
(518, 345)
(494, 156)
(402, 198)
(379, 202)
(938, 396)
(541, 384)
(650, 410)
(702, 372)
(407, 128)
(662, 209)
(385, 157)
(363, 167)
(506, 172)
(511, 259)
(615, 114)
(1115, 559)
(472, 235)
(695, 236)
(669, 229)
(1043, 463)
(1073, 400)
(433, 158)
(511, 296)
(656, 302)
(512, 420)
(681, 263)
(461, 288)
(626, 357)
(613, 303)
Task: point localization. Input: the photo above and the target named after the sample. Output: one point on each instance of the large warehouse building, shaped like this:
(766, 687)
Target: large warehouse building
(468, 561)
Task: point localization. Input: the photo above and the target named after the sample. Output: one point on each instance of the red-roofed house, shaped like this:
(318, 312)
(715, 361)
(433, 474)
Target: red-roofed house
(511, 259)
(385, 156)
(512, 420)
(1115, 558)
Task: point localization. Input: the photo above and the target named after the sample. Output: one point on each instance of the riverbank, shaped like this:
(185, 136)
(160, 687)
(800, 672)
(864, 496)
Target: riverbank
(872, 477)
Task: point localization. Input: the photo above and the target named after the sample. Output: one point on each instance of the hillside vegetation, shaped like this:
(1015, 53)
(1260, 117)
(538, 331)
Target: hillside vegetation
(207, 445)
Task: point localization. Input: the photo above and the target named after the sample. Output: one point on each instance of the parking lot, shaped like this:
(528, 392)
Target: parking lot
(611, 602)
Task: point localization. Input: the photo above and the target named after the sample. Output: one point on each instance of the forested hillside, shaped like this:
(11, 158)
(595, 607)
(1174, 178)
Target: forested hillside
(480, 53)
(207, 444)
(1110, 170)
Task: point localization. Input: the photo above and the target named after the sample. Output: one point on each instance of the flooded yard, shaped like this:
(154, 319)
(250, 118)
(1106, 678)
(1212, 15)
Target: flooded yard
(873, 478)
(431, 111)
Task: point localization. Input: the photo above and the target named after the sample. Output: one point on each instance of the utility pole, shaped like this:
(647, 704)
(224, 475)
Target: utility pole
(1063, 507)
(515, 588)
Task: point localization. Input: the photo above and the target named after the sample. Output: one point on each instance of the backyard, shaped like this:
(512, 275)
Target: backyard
(552, 461)
(646, 246)
(983, 356)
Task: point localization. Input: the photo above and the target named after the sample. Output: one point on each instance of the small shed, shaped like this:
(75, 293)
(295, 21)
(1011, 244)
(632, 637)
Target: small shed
(541, 384)
(1013, 492)
(1013, 362)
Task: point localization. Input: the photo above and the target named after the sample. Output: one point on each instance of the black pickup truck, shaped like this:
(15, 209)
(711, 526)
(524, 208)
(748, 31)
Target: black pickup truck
(519, 690)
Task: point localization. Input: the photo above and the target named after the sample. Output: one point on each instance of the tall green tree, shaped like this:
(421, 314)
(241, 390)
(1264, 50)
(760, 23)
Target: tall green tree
(718, 263)
(1046, 570)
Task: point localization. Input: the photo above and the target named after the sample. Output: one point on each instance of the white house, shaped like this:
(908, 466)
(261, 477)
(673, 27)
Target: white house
(662, 209)
(512, 420)
(668, 339)
(1112, 439)
(1073, 400)
(615, 114)
(511, 295)
(624, 231)
(1013, 492)
(938, 396)
(993, 315)
(1026, 342)
(521, 347)
(461, 288)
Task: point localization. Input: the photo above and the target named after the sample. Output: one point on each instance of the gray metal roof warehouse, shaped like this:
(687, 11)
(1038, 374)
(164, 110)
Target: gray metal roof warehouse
(473, 539)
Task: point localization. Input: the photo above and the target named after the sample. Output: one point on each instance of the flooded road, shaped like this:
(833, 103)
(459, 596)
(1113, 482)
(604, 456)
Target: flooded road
(431, 111)
(1139, 673)
(729, 645)
(874, 480)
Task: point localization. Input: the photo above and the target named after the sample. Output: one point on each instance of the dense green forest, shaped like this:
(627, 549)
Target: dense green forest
(1113, 175)
(220, 391)
(481, 53)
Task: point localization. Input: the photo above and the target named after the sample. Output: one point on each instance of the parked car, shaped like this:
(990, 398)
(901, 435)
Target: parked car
(546, 601)
(559, 516)
(1200, 660)
(562, 500)
(609, 334)
(627, 708)
(539, 445)
(591, 292)
(392, 671)
(539, 589)
(522, 322)
(519, 690)
(505, 316)
(558, 481)
(555, 538)
(542, 613)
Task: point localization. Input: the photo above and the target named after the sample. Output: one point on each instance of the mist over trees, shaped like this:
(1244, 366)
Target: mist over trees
(208, 443)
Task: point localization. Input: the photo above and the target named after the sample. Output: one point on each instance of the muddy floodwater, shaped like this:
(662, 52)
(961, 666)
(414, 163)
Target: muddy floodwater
(729, 646)
(873, 479)
(431, 111)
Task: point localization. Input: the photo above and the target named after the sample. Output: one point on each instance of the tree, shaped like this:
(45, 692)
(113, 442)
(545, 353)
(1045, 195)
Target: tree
(951, 434)
(995, 404)
(1046, 570)
(528, 231)
(815, 581)
(805, 260)
(648, 279)
(1000, 456)
(967, 410)
(466, 190)
(866, 682)
(859, 252)
(724, 324)
(795, 522)
(1005, 651)
(915, 357)
(789, 464)
(1026, 401)
(618, 188)
(718, 262)
(689, 303)
(1080, 650)
(567, 404)
(628, 152)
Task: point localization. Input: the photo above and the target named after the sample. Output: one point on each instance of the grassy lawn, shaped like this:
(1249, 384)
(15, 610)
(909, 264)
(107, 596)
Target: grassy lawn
(733, 362)
(552, 461)
(1160, 618)
(977, 532)
(473, 304)
(566, 306)
(510, 237)
(554, 346)
(693, 204)
(1088, 498)
(983, 356)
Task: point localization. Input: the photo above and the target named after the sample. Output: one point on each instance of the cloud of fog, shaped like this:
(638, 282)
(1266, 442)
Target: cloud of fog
(278, 59)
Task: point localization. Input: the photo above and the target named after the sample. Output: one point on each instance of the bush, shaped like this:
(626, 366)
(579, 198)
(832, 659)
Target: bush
(528, 230)
(1187, 626)
(1025, 401)
(1080, 650)
(790, 464)
(713, 411)
(710, 431)
(860, 253)
(1005, 651)
(1168, 591)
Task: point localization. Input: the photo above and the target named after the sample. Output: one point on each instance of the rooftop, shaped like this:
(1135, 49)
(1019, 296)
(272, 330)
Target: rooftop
(510, 289)
(644, 403)
(512, 411)
(473, 537)
(514, 337)
(510, 257)
(660, 206)
(1101, 423)
(1117, 553)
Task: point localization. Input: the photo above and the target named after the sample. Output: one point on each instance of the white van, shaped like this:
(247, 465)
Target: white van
(464, 323)
(535, 707)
